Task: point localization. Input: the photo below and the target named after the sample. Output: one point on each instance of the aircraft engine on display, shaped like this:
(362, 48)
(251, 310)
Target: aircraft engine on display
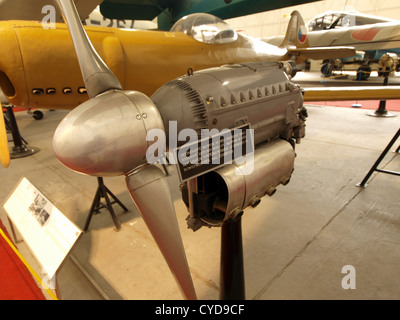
(258, 96)
(251, 114)
(388, 64)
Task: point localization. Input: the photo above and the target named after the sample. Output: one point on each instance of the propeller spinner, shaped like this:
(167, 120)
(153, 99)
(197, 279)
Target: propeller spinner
(106, 136)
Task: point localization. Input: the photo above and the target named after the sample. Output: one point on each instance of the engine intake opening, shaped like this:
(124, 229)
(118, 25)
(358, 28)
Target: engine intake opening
(6, 85)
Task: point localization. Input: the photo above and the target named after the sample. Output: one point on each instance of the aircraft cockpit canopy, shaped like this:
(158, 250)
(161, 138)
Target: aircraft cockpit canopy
(206, 28)
(331, 20)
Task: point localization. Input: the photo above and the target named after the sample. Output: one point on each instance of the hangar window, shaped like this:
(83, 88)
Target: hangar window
(206, 28)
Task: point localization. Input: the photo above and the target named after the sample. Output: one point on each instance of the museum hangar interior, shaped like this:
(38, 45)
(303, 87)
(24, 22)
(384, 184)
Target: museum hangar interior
(299, 243)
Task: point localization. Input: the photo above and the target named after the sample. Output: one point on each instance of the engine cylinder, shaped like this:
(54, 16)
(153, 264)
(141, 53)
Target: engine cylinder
(226, 192)
(258, 93)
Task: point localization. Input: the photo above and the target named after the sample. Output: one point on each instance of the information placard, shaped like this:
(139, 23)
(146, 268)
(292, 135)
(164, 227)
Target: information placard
(209, 153)
(46, 231)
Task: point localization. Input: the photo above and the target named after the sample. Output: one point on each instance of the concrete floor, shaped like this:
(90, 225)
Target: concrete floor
(295, 242)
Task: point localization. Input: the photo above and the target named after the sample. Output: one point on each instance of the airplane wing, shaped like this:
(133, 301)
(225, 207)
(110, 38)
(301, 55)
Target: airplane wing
(32, 9)
(4, 151)
(322, 53)
(352, 93)
(170, 11)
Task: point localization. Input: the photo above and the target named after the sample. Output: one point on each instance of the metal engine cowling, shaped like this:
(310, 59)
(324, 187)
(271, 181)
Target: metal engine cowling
(256, 94)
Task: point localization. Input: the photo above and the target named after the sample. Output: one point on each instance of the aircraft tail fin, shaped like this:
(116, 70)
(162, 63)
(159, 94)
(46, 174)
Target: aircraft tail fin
(296, 33)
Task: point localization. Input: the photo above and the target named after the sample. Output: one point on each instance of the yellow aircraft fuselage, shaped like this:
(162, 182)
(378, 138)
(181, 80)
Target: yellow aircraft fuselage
(39, 67)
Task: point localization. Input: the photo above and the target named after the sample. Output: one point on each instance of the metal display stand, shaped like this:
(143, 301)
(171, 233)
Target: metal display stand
(363, 183)
(103, 192)
(232, 283)
(381, 111)
(19, 149)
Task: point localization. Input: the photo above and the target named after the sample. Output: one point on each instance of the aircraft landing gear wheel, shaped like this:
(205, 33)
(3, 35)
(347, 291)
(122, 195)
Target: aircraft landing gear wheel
(326, 69)
(37, 115)
(363, 72)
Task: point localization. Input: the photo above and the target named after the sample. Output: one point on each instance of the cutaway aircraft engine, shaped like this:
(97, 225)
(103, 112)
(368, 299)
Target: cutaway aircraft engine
(107, 135)
(388, 64)
(256, 94)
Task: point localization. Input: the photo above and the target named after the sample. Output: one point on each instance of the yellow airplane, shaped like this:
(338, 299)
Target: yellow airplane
(44, 72)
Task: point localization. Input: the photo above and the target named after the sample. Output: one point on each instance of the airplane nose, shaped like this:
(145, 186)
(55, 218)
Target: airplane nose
(12, 79)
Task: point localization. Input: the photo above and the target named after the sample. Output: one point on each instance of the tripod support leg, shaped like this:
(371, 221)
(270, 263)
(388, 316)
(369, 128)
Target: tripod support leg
(103, 192)
(95, 202)
(376, 164)
(109, 206)
(106, 190)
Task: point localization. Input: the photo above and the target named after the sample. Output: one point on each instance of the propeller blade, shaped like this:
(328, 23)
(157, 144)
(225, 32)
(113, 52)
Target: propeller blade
(97, 76)
(150, 192)
(106, 135)
(4, 150)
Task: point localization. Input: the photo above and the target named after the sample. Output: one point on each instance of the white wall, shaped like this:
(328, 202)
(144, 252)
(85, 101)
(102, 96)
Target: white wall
(272, 23)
